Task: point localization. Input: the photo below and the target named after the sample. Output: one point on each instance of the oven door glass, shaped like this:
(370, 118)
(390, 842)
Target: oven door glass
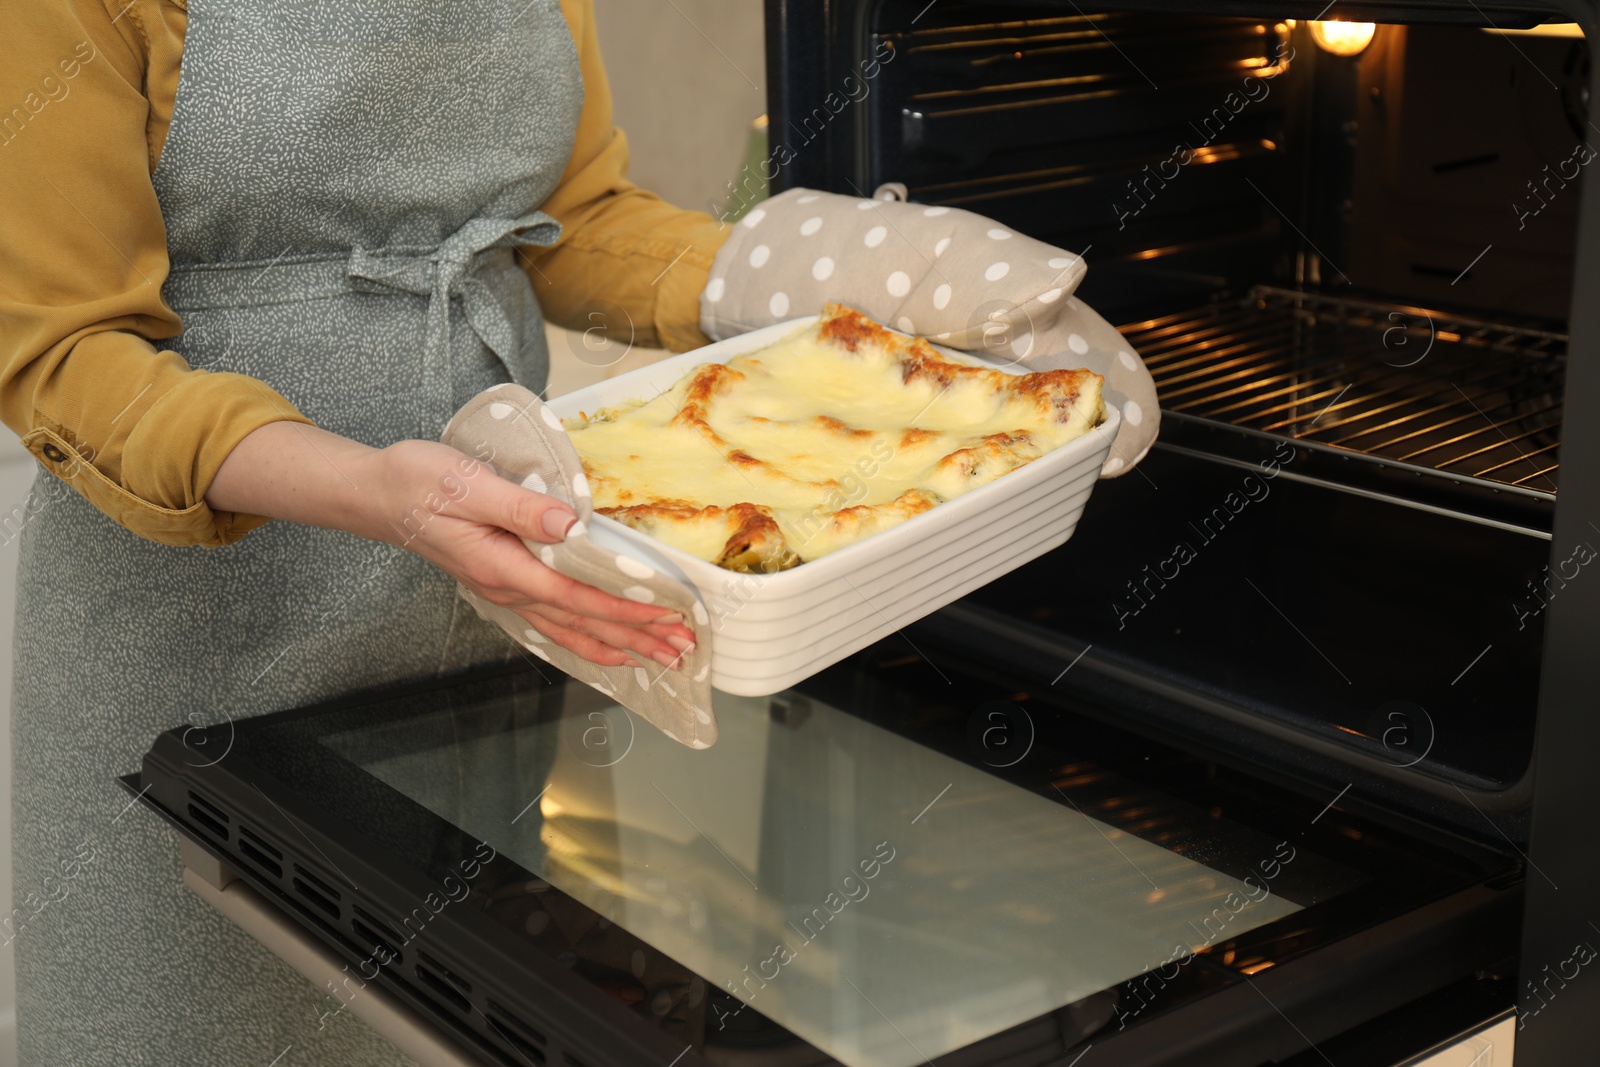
(883, 900)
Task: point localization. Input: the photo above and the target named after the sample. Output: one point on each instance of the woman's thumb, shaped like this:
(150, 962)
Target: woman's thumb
(521, 511)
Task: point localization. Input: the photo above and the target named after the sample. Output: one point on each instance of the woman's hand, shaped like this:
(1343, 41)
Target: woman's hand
(453, 511)
(473, 536)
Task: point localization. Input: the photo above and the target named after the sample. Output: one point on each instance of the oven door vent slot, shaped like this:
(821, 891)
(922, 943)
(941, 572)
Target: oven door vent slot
(258, 852)
(444, 989)
(510, 1034)
(444, 972)
(376, 934)
(209, 816)
(261, 844)
(524, 1036)
(319, 884)
(311, 894)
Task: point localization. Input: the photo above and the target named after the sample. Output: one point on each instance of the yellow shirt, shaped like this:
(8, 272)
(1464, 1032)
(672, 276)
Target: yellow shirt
(86, 94)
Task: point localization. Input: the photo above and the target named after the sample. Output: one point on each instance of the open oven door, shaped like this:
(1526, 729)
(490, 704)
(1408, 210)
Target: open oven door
(902, 861)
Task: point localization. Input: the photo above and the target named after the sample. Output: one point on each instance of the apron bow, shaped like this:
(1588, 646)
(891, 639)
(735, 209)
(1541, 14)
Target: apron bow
(452, 269)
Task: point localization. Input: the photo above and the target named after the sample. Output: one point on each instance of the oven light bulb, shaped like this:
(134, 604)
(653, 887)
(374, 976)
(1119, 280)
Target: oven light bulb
(1343, 38)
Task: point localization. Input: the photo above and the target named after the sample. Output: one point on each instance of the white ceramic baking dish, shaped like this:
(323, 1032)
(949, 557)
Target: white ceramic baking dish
(771, 631)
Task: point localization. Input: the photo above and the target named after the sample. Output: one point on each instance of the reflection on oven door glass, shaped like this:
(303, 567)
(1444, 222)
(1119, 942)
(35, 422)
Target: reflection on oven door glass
(880, 900)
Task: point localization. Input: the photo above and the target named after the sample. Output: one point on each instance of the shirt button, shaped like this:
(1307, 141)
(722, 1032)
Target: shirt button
(53, 454)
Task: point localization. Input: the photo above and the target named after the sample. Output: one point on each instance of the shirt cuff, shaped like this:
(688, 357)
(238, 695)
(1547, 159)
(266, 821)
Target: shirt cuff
(171, 458)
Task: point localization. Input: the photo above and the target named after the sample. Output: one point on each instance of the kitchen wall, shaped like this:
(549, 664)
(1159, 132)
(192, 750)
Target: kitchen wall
(688, 79)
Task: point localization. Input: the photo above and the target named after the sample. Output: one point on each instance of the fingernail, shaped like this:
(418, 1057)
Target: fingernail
(666, 659)
(557, 521)
(671, 618)
(682, 644)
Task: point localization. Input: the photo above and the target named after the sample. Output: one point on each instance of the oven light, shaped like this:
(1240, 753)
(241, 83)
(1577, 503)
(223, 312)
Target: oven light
(1342, 38)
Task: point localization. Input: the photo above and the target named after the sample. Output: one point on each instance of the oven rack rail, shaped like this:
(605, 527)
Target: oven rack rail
(1418, 406)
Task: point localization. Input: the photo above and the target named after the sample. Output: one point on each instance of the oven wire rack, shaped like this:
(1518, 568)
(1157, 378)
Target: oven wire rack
(1470, 401)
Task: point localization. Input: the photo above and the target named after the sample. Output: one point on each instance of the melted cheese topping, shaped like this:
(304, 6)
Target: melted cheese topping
(838, 431)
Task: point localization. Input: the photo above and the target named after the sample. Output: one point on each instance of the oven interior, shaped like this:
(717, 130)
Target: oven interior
(1350, 276)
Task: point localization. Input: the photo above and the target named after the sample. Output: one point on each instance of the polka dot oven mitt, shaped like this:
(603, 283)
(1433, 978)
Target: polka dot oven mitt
(520, 439)
(1078, 337)
(954, 277)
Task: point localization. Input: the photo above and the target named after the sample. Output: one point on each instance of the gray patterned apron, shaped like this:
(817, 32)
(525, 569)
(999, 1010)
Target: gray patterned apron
(343, 187)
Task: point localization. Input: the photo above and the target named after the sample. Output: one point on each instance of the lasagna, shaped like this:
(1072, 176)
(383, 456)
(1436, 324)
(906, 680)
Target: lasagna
(836, 432)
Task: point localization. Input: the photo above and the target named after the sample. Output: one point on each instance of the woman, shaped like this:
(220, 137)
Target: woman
(359, 210)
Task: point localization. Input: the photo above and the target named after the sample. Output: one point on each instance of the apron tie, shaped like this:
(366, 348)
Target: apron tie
(452, 269)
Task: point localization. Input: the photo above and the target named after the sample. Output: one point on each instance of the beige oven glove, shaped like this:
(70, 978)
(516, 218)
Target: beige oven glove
(518, 438)
(956, 278)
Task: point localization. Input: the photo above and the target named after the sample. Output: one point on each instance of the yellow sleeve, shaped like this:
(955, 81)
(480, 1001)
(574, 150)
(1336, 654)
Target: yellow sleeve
(83, 256)
(619, 244)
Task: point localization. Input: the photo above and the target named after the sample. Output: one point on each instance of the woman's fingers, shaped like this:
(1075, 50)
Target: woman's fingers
(507, 573)
(665, 648)
(590, 648)
(511, 577)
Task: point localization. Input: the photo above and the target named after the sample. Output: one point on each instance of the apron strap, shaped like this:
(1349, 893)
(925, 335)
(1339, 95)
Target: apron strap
(451, 270)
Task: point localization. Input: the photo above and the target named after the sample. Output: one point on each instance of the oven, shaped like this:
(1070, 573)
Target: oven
(1284, 758)
(1357, 259)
